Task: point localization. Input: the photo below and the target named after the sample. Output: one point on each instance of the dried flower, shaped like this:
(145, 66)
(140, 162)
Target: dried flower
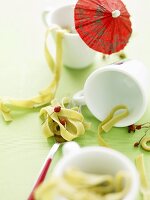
(136, 144)
(131, 128)
(122, 55)
(138, 127)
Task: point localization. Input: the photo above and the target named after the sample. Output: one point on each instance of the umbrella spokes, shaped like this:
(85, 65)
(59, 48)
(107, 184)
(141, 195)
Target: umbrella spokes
(104, 25)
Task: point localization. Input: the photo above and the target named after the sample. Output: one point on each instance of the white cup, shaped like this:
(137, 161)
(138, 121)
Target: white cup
(119, 83)
(100, 160)
(76, 54)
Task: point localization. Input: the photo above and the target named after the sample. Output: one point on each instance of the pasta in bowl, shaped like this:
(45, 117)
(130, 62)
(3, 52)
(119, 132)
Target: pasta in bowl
(92, 173)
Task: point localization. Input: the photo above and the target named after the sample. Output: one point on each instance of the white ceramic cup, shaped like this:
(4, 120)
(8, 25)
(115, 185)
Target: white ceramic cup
(100, 160)
(119, 83)
(76, 54)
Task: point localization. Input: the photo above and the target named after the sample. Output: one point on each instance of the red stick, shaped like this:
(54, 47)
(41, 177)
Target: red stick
(40, 178)
(44, 169)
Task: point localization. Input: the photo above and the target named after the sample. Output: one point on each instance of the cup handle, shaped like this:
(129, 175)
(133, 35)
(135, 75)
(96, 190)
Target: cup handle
(45, 13)
(79, 99)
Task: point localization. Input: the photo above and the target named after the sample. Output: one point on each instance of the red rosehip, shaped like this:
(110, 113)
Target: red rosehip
(138, 127)
(63, 121)
(131, 128)
(57, 109)
(136, 144)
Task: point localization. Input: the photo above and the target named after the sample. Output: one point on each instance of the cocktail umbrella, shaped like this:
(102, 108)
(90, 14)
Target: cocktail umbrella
(104, 25)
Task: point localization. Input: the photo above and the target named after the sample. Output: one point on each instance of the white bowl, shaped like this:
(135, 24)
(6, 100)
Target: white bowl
(100, 160)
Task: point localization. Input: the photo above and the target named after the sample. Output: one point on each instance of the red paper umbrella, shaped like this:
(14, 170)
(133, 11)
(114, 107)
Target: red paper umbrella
(104, 25)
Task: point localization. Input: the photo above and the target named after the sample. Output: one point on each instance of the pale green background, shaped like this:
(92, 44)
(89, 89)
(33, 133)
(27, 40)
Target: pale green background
(23, 72)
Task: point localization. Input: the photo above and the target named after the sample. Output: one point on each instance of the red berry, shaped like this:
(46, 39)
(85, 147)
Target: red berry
(57, 109)
(131, 128)
(63, 121)
(138, 127)
(136, 144)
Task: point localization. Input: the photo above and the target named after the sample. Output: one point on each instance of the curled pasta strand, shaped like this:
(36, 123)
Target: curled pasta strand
(67, 123)
(110, 121)
(5, 112)
(145, 187)
(75, 184)
(144, 144)
(46, 95)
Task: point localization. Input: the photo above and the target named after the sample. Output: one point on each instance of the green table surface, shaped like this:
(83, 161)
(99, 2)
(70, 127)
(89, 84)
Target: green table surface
(24, 71)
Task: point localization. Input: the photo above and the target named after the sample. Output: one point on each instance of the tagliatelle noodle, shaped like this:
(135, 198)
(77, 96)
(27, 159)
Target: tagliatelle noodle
(52, 126)
(5, 112)
(145, 188)
(77, 185)
(144, 142)
(46, 95)
(110, 121)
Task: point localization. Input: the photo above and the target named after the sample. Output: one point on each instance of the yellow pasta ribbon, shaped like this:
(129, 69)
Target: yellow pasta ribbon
(77, 185)
(5, 112)
(46, 95)
(110, 121)
(144, 142)
(68, 123)
(145, 189)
